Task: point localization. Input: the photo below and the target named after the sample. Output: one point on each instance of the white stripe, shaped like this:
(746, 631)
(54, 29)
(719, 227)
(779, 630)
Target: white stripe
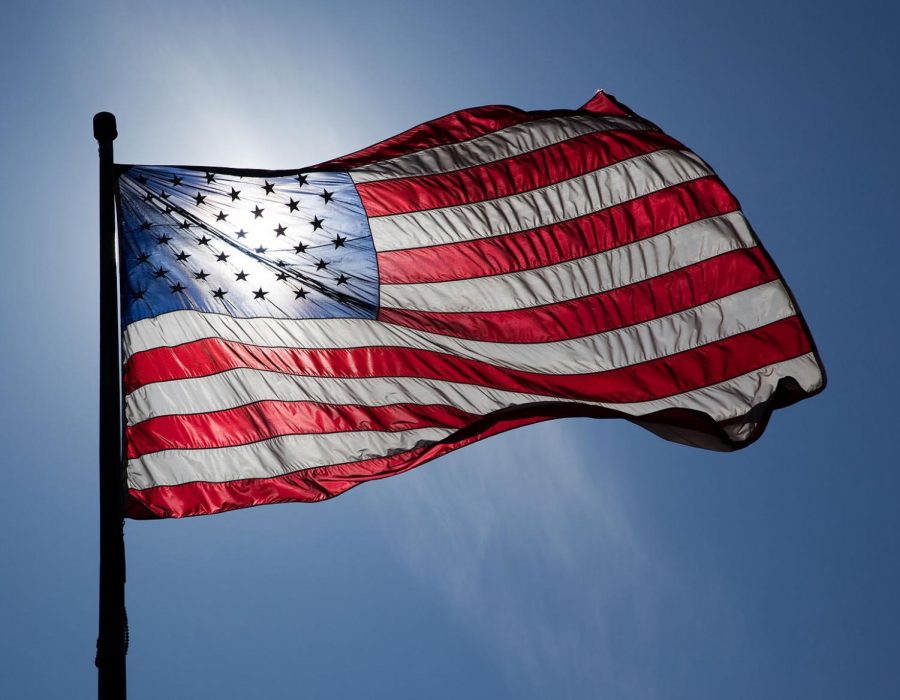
(561, 201)
(652, 341)
(504, 143)
(739, 312)
(242, 386)
(723, 401)
(273, 457)
(572, 279)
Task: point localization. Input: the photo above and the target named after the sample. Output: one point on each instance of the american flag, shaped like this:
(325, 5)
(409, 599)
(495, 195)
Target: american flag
(290, 334)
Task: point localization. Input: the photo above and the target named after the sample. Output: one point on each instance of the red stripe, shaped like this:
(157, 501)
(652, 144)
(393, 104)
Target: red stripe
(626, 306)
(453, 128)
(309, 485)
(528, 171)
(602, 103)
(318, 484)
(603, 230)
(665, 376)
(268, 419)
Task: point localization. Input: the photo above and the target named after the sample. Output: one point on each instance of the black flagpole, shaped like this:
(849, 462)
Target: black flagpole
(111, 641)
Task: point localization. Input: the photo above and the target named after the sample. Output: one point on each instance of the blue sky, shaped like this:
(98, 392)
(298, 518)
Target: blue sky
(574, 559)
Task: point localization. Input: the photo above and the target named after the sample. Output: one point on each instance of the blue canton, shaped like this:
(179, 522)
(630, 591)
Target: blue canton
(293, 245)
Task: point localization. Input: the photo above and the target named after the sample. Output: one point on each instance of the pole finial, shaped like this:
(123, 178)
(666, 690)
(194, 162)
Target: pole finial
(105, 126)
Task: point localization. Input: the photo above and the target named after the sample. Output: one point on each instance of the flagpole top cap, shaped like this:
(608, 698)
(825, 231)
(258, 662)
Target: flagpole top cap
(105, 126)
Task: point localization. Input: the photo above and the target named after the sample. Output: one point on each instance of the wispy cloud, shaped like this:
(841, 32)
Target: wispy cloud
(531, 542)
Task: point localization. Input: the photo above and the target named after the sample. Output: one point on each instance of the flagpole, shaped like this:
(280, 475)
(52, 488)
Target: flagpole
(111, 641)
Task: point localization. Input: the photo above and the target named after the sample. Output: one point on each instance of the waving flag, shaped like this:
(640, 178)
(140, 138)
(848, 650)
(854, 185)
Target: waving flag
(290, 334)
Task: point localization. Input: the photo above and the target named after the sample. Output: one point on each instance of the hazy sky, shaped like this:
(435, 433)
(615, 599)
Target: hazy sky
(575, 559)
